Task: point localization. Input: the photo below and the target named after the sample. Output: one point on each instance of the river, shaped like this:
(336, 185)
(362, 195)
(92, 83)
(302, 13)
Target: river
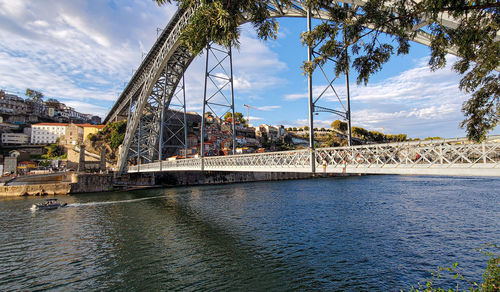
(377, 233)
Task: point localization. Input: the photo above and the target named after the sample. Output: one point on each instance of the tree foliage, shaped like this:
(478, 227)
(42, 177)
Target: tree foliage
(368, 36)
(491, 276)
(238, 115)
(117, 133)
(376, 136)
(54, 150)
(113, 134)
(218, 21)
(339, 125)
(34, 95)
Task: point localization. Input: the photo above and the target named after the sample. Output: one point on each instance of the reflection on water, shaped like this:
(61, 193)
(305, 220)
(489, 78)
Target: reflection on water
(360, 233)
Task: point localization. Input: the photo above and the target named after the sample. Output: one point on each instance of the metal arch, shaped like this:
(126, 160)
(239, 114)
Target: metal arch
(277, 10)
(139, 89)
(170, 47)
(148, 136)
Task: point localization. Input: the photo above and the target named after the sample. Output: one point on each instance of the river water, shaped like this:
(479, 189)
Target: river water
(378, 233)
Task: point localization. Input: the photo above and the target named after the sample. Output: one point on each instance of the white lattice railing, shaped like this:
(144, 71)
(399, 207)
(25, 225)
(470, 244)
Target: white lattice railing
(446, 156)
(295, 160)
(445, 152)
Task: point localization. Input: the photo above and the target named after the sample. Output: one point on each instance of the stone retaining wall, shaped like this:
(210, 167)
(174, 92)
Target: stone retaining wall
(90, 183)
(81, 183)
(35, 190)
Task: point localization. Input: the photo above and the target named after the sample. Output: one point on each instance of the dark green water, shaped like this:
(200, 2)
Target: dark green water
(377, 233)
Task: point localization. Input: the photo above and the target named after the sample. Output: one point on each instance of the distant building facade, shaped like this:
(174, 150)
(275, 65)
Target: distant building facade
(47, 133)
(73, 135)
(15, 138)
(69, 134)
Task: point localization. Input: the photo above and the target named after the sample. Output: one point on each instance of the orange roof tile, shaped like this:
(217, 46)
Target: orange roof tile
(50, 124)
(78, 125)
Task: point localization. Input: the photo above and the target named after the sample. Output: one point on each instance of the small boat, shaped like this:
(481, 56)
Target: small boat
(49, 204)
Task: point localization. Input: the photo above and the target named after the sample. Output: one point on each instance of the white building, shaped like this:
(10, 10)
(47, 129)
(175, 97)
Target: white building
(15, 138)
(47, 133)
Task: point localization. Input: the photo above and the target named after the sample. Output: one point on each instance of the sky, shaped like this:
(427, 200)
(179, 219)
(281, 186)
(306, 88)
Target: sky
(83, 53)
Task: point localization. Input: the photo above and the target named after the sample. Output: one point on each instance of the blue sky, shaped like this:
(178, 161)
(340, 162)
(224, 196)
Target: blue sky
(82, 52)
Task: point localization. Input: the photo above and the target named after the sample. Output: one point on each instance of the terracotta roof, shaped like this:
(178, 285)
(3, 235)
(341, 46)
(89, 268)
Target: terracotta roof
(50, 124)
(93, 126)
(62, 124)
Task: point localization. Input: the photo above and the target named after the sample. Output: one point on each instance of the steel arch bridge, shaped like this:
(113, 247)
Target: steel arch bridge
(149, 94)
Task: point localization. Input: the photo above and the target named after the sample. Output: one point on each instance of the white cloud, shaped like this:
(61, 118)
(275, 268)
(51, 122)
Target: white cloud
(80, 25)
(403, 103)
(268, 107)
(14, 8)
(295, 96)
(75, 50)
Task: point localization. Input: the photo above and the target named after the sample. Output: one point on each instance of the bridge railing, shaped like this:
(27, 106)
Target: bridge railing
(296, 160)
(453, 156)
(443, 153)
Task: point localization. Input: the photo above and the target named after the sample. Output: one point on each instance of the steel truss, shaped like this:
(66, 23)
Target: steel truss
(218, 94)
(162, 77)
(174, 123)
(436, 157)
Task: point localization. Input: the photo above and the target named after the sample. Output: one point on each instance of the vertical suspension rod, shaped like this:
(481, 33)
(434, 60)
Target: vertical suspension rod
(162, 122)
(232, 99)
(348, 114)
(185, 116)
(139, 144)
(310, 95)
(202, 131)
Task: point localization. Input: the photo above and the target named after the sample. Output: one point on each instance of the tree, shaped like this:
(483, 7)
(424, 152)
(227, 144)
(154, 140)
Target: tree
(360, 132)
(34, 95)
(368, 36)
(54, 150)
(339, 125)
(116, 133)
(239, 117)
(306, 128)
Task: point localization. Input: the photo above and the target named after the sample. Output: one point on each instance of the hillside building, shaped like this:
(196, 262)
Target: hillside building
(47, 133)
(15, 139)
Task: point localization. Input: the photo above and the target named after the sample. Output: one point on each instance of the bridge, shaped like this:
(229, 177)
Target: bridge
(158, 86)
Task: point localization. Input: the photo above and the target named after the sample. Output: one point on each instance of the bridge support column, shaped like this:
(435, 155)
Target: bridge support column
(219, 71)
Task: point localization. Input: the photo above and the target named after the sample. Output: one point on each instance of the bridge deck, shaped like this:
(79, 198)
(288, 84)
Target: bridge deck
(438, 157)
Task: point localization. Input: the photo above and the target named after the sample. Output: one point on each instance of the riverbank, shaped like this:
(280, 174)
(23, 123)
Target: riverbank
(76, 183)
(91, 183)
